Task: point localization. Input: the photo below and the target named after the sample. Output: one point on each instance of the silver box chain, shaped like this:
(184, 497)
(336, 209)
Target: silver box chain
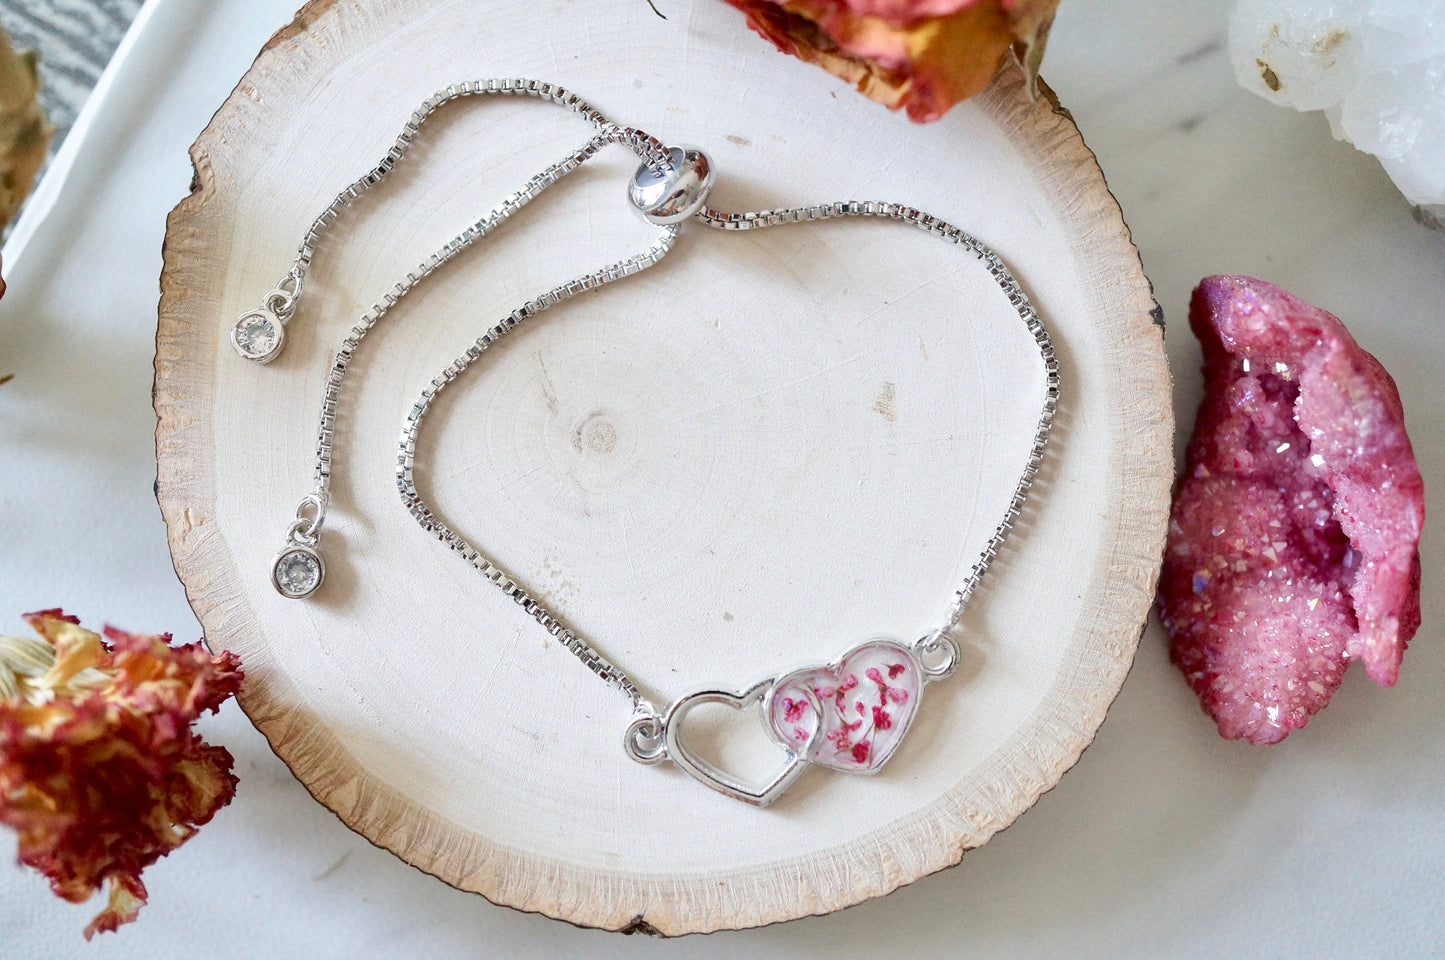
(663, 168)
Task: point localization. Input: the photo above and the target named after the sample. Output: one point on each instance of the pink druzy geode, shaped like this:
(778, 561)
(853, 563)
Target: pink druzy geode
(1293, 542)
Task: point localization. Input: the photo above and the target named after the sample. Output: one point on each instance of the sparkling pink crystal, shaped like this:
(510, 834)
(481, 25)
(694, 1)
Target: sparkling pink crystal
(1293, 543)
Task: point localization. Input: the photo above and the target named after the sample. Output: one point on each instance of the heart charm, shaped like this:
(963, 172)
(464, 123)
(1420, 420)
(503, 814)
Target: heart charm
(720, 780)
(852, 714)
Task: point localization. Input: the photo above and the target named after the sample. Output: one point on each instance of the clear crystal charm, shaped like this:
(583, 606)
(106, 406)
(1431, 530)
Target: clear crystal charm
(297, 572)
(257, 336)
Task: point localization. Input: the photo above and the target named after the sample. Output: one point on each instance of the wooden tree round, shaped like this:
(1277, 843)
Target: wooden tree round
(765, 449)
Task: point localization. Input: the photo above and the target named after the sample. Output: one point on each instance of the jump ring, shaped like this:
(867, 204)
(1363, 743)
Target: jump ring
(303, 531)
(644, 740)
(306, 528)
(313, 501)
(938, 654)
(291, 285)
(281, 302)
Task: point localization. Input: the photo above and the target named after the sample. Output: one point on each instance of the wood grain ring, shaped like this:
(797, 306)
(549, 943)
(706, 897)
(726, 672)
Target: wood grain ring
(357, 695)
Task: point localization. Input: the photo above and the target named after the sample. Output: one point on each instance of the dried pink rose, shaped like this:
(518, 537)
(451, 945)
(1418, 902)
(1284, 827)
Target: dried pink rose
(1293, 543)
(100, 772)
(921, 55)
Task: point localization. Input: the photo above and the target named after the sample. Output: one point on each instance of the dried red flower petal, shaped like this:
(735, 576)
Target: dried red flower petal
(1293, 546)
(100, 772)
(921, 55)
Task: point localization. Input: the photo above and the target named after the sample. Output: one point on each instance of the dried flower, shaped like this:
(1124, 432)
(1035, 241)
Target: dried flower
(24, 132)
(100, 772)
(921, 55)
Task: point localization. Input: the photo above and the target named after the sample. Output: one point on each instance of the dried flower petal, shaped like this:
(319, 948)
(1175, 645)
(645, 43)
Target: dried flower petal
(100, 772)
(24, 132)
(921, 55)
(1293, 543)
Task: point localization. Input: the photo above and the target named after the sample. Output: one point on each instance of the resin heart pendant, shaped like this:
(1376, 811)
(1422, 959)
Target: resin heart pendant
(852, 714)
(757, 794)
(849, 715)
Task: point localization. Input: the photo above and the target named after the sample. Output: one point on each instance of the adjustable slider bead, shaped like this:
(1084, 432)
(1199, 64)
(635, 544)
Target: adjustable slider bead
(671, 196)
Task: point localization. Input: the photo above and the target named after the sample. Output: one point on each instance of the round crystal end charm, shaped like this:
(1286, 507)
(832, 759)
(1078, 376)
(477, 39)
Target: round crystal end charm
(297, 572)
(671, 196)
(258, 335)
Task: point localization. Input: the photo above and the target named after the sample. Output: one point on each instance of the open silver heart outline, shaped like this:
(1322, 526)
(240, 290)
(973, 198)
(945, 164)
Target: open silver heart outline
(705, 772)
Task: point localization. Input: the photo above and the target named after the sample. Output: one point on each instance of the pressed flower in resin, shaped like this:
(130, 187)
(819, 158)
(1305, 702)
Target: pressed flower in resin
(864, 705)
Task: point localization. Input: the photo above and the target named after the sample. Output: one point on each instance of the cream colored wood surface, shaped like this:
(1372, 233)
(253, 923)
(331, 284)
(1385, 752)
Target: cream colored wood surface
(761, 451)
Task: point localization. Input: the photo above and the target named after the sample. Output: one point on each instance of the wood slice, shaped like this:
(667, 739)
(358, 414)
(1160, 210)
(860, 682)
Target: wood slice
(765, 449)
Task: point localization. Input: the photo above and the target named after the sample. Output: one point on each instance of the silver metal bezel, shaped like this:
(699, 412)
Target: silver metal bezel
(761, 694)
(289, 549)
(759, 795)
(836, 663)
(275, 322)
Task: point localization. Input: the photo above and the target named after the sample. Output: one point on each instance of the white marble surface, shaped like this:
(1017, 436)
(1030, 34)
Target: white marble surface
(1164, 840)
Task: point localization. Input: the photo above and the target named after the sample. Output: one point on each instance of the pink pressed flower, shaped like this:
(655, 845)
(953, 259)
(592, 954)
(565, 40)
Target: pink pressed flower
(862, 704)
(793, 709)
(860, 751)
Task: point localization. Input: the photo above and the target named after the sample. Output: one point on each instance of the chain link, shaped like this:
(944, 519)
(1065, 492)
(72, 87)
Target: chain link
(650, 150)
(430, 522)
(305, 529)
(939, 648)
(939, 651)
(321, 480)
(1016, 298)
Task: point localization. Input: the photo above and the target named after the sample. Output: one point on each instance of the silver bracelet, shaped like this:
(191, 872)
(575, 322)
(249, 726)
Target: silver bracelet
(848, 715)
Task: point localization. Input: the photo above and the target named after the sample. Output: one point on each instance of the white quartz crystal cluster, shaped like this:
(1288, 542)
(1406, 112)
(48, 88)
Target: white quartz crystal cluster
(1375, 67)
